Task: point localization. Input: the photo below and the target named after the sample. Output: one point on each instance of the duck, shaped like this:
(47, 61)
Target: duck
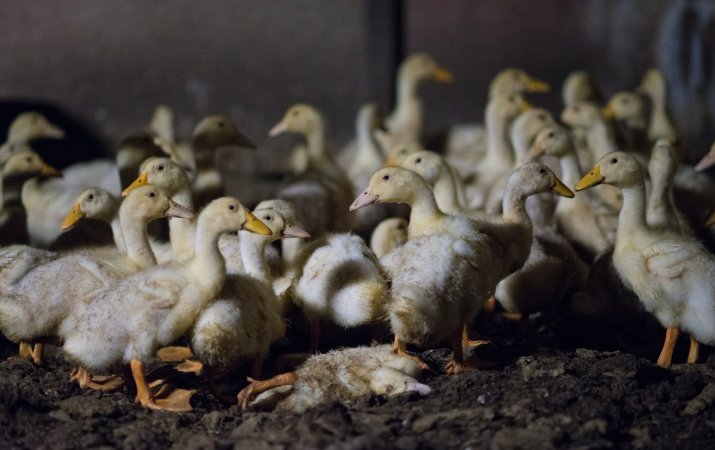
(161, 124)
(660, 126)
(20, 167)
(524, 130)
(173, 179)
(584, 221)
(34, 307)
(25, 128)
(98, 204)
(126, 321)
(367, 158)
(627, 107)
(467, 143)
(669, 272)
(387, 235)
(322, 192)
(210, 134)
(450, 264)
(490, 172)
(437, 172)
(661, 210)
(339, 375)
(132, 151)
(240, 325)
(579, 86)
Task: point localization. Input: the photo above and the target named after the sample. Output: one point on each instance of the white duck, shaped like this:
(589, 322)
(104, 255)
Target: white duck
(661, 210)
(388, 234)
(671, 273)
(449, 266)
(322, 192)
(660, 126)
(339, 375)
(583, 220)
(24, 129)
(127, 321)
(240, 325)
(579, 86)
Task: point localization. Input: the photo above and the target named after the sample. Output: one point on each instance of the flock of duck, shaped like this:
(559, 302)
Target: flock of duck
(488, 223)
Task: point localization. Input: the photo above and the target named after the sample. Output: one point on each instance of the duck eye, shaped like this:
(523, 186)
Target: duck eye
(268, 218)
(542, 117)
(418, 160)
(542, 171)
(511, 99)
(551, 134)
(295, 113)
(231, 207)
(159, 168)
(576, 109)
(28, 159)
(146, 140)
(221, 124)
(90, 197)
(614, 160)
(403, 151)
(386, 177)
(152, 194)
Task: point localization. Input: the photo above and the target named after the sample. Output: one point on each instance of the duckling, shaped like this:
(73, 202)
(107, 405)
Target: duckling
(579, 86)
(17, 170)
(490, 172)
(212, 133)
(98, 204)
(368, 158)
(436, 171)
(524, 130)
(173, 179)
(661, 210)
(513, 81)
(133, 150)
(448, 267)
(35, 306)
(670, 272)
(388, 234)
(24, 129)
(127, 321)
(240, 325)
(339, 375)
(322, 192)
(583, 220)
(627, 107)
(660, 126)
(405, 121)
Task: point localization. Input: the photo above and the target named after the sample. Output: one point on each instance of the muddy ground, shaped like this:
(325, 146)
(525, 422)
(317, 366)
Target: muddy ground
(545, 393)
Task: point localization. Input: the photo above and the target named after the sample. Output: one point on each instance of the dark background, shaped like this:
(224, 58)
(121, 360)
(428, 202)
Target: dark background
(99, 67)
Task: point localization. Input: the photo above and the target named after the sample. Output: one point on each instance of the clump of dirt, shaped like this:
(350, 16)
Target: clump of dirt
(543, 394)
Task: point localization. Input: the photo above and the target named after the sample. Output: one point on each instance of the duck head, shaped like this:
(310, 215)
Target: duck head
(534, 177)
(421, 67)
(429, 165)
(300, 118)
(32, 125)
(554, 140)
(93, 203)
(161, 172)
(389, 185)
(581, 114)
(152, 202)
(279, 226)
(218, 131)
(579, 87)
(619, 169)
(624, 105)
(226, 214)
(27, 163)
(515, 81)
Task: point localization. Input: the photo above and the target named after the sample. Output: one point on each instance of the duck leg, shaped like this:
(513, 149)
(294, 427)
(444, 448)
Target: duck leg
(176, 400)
(694, 352)
(98, 383)
(25, 350)
(174, 354)
(401, 349)
(666, 354)
(37, 353)
(258, 386)
(458, 364)
(469, 342)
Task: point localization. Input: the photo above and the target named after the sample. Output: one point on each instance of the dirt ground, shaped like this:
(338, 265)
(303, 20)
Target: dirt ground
(544, 393)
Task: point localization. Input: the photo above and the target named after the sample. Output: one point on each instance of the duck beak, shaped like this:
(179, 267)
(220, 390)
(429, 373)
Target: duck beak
(707, 161)
(54, 132)
(254, 225)
(443, 75)
(142, 180)
(279, 128)
(49, 171)
(526, 106)
(534, 85)
(73, 217)
(177, 210)
(364, 199)
(710, 220)
(391, 160)
(293, 231)
(591, 179)
(559, 188)
(608, 112)
(534, 152)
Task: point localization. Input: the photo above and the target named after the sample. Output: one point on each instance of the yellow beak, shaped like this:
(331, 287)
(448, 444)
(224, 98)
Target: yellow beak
(142, 180)
(591, 179)
(534, 85)
(710, 220)
(443, 75)
(49, 171)
(608, 112)
(255, 226)
(559, 188)
(526, 106)
(73, 217)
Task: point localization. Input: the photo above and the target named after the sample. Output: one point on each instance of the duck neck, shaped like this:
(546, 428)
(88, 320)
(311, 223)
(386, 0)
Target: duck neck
(12, 187)
(369, 153)
(658, 208)
(600, 140)
(253, 248)
(116, 225)
(660, 125)
(499, 151)
(445, 193)
(631, 219)
(423, 211)
(136, 241)
(182, 232)
(408, 109)
(514, 206)
(315, 141)
(208, 265)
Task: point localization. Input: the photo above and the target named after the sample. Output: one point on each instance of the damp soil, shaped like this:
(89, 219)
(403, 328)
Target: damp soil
(542, 392)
